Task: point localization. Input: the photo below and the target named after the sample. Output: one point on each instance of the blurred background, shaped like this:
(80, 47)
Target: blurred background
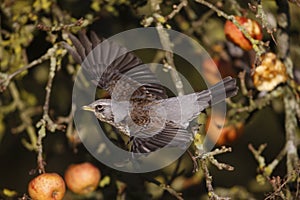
(29, 28)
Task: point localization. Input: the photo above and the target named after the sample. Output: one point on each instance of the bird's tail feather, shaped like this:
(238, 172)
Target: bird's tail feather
(219, 92)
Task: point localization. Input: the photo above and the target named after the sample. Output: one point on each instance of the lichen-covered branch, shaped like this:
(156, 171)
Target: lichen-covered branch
(290, 128)
(290, 102)
(261, 14)
(211, 194)
(169, 64)
(46, 122)
(208, 157)
(59, 27)
(55, 61)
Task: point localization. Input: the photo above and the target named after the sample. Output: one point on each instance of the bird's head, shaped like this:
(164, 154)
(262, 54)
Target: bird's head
(101, 108)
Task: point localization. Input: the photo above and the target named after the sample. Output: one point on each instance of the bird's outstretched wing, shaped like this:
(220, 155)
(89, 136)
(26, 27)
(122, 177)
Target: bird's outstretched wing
(172, 135)
(118, 71)
(113, 68)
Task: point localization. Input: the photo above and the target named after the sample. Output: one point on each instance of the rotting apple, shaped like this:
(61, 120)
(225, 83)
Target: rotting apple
(235, 35)
(47, 186)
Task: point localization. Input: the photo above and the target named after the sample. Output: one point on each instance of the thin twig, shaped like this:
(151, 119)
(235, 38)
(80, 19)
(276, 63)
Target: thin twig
(6, 78)
(257, 155)
(49, 123)
(41, 135)
(172, 191)
(260, 13)
(255, 104)
(204, 158)
(211, 194)
(60, 27)
(177, 9)
(279, 185)
(165, 187)
(27, 113)
(244, 89)
(20, 105)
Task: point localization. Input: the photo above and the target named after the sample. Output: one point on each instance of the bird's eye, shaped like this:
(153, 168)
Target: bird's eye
(99, 108)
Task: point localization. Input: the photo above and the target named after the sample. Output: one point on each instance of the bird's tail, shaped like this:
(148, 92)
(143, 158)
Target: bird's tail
(217, 93)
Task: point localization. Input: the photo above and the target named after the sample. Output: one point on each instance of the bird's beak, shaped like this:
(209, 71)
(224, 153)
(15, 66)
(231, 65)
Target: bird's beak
(88, 108)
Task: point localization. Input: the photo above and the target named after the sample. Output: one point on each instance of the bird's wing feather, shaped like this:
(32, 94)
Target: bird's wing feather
(172, 135)
(105, 63)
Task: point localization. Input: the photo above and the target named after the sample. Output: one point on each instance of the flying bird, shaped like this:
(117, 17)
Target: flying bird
(139, 106)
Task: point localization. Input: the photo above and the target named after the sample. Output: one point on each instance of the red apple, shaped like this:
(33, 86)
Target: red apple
(82, 178)
(47, 186)
(236, 36)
